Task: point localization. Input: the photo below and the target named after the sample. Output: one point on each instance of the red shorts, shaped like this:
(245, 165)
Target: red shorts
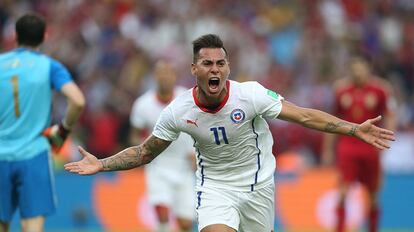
(361, 164)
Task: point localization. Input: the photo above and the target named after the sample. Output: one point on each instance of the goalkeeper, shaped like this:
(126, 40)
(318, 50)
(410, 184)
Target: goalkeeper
(27, 81)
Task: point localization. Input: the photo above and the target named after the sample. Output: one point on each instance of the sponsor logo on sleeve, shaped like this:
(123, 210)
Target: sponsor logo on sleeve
(273, 94)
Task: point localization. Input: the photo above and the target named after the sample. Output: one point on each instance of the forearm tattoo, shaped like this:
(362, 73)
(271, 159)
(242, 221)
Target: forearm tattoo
(135, 156)
(126, 159)
(331, 127)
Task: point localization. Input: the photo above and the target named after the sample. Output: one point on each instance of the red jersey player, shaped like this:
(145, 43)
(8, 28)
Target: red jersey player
(358, 98)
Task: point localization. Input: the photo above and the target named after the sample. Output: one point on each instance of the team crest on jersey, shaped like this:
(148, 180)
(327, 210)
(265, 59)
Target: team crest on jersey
(237, 116)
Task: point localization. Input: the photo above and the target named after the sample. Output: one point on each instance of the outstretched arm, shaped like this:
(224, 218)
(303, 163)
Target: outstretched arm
(129, 158)
(322, 121)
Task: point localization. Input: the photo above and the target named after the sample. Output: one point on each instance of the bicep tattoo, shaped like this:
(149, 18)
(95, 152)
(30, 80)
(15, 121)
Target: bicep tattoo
(155, 146)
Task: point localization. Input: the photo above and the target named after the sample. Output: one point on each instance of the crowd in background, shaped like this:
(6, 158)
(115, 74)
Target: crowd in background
(296, 47)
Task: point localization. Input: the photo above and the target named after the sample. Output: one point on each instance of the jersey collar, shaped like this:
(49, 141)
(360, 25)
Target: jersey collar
(23, 49)
(219, 107)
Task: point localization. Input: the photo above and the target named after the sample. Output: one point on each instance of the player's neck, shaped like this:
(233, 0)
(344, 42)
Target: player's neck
(213, 101)
(165, 97)
(360, 84)
(361, 81)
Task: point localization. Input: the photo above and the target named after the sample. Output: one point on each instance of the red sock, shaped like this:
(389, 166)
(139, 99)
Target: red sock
(340, 216)
(373, 219)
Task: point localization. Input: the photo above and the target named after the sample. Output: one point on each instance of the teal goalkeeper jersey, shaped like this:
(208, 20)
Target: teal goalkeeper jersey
(27, 79)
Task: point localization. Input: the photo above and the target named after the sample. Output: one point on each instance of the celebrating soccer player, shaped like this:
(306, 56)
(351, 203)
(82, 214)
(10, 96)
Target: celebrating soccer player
(235, 165)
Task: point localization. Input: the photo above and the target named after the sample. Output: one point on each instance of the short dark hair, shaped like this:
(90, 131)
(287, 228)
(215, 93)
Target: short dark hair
(30, 30)
(207, 41)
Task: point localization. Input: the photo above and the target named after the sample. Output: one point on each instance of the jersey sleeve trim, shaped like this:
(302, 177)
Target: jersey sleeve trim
(163, 137)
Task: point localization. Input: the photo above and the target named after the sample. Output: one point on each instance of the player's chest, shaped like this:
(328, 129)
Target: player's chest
(227, 126)
(368, 100)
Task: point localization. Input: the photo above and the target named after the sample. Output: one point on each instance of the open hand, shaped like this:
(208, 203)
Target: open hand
(87, 166)
(376, 136)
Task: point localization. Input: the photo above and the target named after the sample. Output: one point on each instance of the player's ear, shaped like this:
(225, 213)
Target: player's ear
(46, 35)
(228, 69)
(193, 69)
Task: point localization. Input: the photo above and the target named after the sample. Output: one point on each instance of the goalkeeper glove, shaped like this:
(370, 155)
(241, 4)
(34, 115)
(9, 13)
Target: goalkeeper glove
(56, 135)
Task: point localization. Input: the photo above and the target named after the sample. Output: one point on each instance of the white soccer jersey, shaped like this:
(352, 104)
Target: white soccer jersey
(175, 158)
(233, 143)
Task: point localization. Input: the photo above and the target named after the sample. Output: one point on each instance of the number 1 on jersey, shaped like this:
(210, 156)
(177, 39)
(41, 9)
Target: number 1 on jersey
(216, 134)
(15, 83)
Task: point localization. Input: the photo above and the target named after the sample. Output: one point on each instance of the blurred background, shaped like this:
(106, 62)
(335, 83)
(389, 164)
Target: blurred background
(296, 47)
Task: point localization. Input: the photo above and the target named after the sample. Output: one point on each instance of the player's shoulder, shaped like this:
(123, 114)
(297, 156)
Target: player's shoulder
(381, 83)
(55, 63)
(17, 53)
(43, 58)
(342, 84)
(23, 52)
(245, 84)
(15, 57)
(5, 58)
(247, 87)
(145, 98)
(180, 89)
(253, 89)
(181, 104)
(6, 54)
(183, 99)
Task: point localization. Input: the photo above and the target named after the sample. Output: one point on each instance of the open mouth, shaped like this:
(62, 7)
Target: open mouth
(213, 84)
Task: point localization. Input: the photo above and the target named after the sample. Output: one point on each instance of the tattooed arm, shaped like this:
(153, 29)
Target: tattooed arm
(322, 121)
(129, 158)
(316, 119)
